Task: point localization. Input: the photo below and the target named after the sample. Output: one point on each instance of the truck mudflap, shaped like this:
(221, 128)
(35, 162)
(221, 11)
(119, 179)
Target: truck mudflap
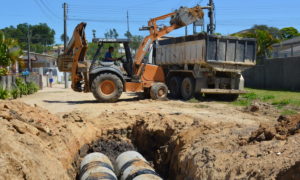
(223, 91)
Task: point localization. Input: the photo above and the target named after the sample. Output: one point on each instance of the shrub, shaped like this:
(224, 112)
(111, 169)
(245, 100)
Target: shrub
(4, 94)
(32, 87)
(22, 86)
(3, 71)
(15, 93)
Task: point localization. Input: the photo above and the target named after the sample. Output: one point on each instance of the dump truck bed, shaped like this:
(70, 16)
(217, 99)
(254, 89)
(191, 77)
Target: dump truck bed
(223, 53)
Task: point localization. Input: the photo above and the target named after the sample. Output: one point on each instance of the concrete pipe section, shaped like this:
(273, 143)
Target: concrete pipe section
(96, 166)
(131, 165)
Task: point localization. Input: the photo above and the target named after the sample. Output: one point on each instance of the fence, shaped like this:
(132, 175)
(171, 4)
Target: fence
(9, 82)
(279, 74)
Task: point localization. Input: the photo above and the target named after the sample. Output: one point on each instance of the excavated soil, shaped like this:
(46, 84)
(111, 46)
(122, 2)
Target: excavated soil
(285, 127)
(35, 144)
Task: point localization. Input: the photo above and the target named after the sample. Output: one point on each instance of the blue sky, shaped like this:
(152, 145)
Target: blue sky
(101, 15)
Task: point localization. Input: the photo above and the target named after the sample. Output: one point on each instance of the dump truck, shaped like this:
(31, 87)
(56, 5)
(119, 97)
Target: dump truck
(204, 64)
(106, 80)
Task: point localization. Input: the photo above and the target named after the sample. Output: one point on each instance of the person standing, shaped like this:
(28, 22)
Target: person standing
(50, 77)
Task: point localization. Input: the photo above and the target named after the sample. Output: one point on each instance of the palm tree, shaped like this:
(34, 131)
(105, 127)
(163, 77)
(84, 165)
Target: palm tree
(9, 53)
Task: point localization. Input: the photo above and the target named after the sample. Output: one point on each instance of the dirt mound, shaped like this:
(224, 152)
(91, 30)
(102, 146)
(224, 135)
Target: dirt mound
(26, 135)
(285, 127)
(262, 108)
(35, 144)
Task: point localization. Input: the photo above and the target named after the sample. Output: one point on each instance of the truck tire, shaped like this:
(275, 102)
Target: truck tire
(187, 88)
(174, 86)
(158, 91)
(107, 87)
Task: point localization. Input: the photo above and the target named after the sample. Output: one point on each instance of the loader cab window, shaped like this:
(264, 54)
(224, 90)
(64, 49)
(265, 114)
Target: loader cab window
(120, 56)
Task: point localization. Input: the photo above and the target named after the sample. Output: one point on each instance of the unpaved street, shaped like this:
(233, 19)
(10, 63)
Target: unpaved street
(60, 100)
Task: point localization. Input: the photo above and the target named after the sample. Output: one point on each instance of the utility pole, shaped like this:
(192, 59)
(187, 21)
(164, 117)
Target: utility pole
(211, 27)
(65, 6)
(127, 21)
(28, 48)
(94, 33)
(186, 30)
(194, 28)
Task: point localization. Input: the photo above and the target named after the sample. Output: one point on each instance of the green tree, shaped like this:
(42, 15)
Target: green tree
(275, 32)
(91, 50)
(62, 37)
(289, 32)
(128, 35)
(112, 33)
(4, 58)
(41, 35)
(135, 42)
(9, 52)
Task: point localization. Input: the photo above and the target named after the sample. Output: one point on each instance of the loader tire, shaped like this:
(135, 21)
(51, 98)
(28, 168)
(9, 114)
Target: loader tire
(187, 88)
(174, 86)
(107, 87)
(159, 91)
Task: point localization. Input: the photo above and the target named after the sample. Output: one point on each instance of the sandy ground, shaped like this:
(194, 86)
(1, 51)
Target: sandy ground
(58, 100)
(206, 140)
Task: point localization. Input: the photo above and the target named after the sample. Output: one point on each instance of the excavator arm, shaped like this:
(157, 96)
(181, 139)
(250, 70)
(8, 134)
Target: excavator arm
(179, 18)
(75, 52)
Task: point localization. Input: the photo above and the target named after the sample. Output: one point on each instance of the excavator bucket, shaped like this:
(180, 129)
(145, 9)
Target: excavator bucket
(185, 16)
(64, 63)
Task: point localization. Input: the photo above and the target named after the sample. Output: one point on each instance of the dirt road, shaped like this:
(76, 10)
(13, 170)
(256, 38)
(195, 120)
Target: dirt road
(60, 100)
(203, 140)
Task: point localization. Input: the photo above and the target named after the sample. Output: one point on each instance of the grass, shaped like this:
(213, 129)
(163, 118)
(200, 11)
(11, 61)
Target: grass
(193, 100)
(285, 100)
(278, 98)
(288, 112)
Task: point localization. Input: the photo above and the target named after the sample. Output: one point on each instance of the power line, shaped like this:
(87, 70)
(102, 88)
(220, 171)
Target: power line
(49, 10)
(42, 9)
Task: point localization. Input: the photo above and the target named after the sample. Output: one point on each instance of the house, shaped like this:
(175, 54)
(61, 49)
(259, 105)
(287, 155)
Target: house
(41, 63)
(287, 48)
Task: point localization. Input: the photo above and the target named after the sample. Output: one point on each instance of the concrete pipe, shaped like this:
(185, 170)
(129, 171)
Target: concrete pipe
(131, 165)
(96, 166)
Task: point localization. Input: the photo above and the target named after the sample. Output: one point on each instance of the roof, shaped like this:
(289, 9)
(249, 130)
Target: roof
(292, 41)
(36, 56)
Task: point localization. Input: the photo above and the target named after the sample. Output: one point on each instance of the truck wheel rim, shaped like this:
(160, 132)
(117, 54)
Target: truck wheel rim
(161, 92)
(187, 88)
(107, 87)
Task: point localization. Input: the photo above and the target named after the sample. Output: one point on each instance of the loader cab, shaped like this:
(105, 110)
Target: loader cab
(122, 49)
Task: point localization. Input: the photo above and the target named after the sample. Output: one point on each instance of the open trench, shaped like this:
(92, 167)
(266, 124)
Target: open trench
(162, 146)
(35, 143)
(155, 145)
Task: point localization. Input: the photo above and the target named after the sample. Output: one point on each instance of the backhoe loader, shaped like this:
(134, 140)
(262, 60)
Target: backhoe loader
(106, 80)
